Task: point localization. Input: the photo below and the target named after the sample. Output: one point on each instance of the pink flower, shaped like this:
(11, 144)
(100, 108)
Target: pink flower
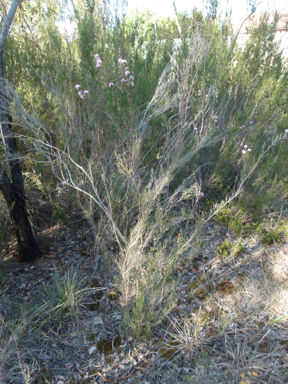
(127, 73)
(124, 61)
(120, 61)
(96, 55)
(195, 129)
(249, 150)
(126, 69)
(99, 63)
(123, 81)
(251, 122)
(245, 146)
(111, 85)
(216, 117)
(240, 127)
(86, 92)
(82, 96)
(243, 152)
(286, 130)
(201, 194)
(131, 78)
(77, 86)
(216, 120)
(80, 93)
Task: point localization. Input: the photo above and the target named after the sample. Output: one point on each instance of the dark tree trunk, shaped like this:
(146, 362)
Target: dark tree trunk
(13, 191)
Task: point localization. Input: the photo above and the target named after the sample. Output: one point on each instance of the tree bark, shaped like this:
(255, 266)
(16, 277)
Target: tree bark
(13, 191)
(176, 18)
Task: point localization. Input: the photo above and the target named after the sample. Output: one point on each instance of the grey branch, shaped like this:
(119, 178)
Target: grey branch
(7, 22)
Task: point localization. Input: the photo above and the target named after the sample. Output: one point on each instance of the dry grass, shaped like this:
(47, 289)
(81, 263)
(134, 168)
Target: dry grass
(238, 335)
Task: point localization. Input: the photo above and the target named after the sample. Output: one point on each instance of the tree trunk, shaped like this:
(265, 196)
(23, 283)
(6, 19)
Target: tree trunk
(13, 191)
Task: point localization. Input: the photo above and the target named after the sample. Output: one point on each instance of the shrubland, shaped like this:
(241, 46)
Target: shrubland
(147, 139)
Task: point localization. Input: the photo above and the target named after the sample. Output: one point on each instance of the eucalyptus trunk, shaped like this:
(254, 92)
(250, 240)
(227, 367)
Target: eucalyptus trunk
(13, 190)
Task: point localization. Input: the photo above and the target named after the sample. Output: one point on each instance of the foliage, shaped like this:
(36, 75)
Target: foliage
(151, 136)
(227, 247)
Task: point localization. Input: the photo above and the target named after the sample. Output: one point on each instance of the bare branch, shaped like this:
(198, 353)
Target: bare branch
(7, 23)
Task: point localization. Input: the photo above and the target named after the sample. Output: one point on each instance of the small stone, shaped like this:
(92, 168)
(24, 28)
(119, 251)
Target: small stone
(98, 320)
(91, 350)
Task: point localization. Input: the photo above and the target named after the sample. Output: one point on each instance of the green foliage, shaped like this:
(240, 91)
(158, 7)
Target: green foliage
(270, 234)
(227, 247)
(153, 302)
(65, 295)
(272, 237)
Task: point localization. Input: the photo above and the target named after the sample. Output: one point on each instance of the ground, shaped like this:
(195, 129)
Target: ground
(61, 318)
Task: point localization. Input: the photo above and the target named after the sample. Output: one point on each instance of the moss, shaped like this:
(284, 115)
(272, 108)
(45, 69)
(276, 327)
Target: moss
(167, 349)
(203, 293)
(107, 346)
(242, 276)
(193, 285)
(225, 287)
(113, 295)
(92, 337)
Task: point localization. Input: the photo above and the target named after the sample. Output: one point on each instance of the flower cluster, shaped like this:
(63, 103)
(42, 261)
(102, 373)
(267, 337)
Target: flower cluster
(81, 93)
(250, 122)
(127, 72)
(216, 119)
(99, 62)
(245, 150)
(196, 130)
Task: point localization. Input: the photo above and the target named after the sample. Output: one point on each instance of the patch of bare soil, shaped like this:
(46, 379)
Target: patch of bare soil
(61, 318)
